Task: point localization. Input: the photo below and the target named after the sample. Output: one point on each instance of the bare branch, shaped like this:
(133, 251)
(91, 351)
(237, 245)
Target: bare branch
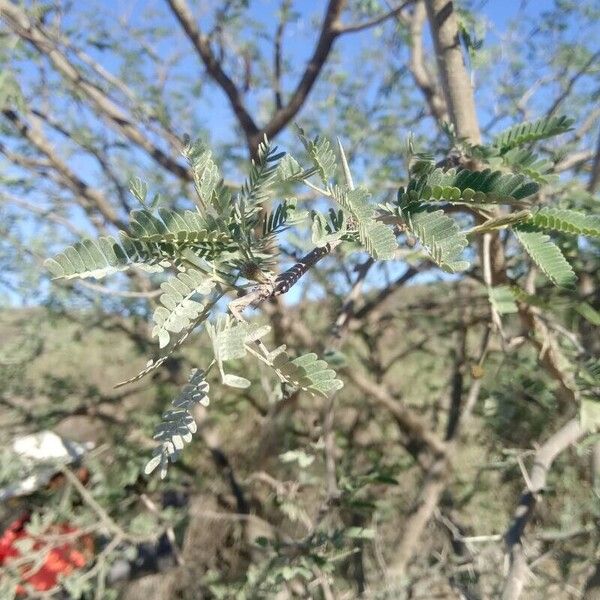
(101, 158)
(394, 12)
(573, 160)
(571, 83)
(128, 93)
(278, 52)
(595, 177)
(569, 434)
(48, 213)
(327, 36)
(91, 198)
(282, 282)
(201, 43)
(437, 106)
(455, 79)
(36, 34)
(409, 422)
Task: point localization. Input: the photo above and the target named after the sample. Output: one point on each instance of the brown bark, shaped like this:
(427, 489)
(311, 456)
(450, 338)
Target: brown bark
(35, 33)
(418, 68)
(453, 73)
(542, 462)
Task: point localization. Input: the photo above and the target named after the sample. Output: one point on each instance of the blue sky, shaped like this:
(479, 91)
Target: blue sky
(212, 107)
(300, 38)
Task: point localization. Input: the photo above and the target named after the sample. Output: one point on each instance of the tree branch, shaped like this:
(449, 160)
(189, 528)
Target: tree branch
(436, 104)
(90, 198)
(330, 29)
(409, 422)
(278, 52)
(566, 436)
(201, 43)
(36, 35)
(455, 79)
(394, 12)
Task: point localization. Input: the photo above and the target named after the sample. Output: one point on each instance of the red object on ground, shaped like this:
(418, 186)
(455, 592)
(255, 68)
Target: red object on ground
(61, 559)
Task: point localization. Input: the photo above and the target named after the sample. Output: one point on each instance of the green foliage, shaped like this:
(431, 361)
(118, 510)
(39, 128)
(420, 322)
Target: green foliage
(547, 256)
(263, 171)
(178, 423)
(229, 340)
(182, 229)
(463, 185)
(523, 160)
(207, 178)
(502, 299)
(376, 237)
(524, 133)
(289, 170)
(231, 236)
(306, 372)
(283, 217)
(327, 230)
(321, 154)
(438, 233)
(105, 256)
(566, 221)
(181, 307)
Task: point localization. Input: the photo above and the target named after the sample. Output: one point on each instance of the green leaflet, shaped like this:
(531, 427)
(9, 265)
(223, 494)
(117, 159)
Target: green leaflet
(588, 383)
(289, 169)
(439, 234)
(321, 155)
(207, 177)
(139, 189)
(284, 216)
(229, 339)
(589, 313)
(306, 372)
(502, 298)
(263, 171)
(378, 239)
(463, 185)
(182, 228)
(531, 132)
(181, 307)
(527, 162)
(327, 231)
(178, 425)
(566, 221)
(547, 256)
(102, 257)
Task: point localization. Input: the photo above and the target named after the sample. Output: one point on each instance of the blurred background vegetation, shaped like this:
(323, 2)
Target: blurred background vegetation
(95, 93)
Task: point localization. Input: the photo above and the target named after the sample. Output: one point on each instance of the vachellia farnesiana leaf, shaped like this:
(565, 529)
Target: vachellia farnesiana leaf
(502, 298)
(307, 372)
(182, 228)
(104, 256)
(178, 424)
(181, 306)
(463, 185)
(321, 155)
(207, 177)
(546, 255)
(376, 237)
(263, 172)
(438, 233)
(531, 132)
(566, 221)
